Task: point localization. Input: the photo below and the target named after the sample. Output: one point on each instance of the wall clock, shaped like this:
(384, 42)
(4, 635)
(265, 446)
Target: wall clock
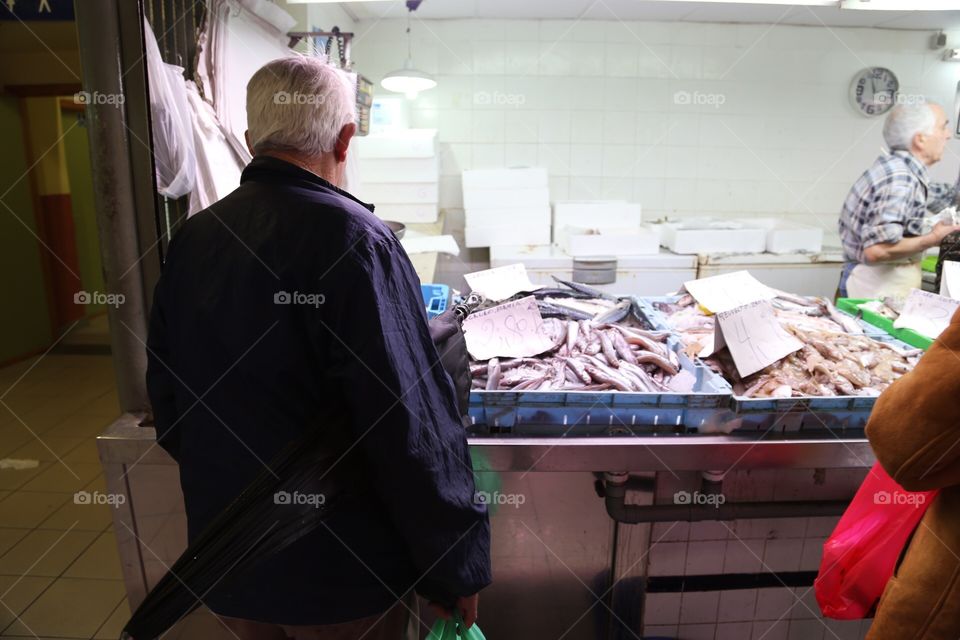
(873, 91)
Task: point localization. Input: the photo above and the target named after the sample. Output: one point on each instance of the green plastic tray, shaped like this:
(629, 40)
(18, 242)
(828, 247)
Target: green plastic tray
(929, 263)
(909, 336)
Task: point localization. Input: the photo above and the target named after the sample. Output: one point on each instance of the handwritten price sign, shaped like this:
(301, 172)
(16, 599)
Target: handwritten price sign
(755, 337)
(926, 313)
(950, 280)
(500, 283)
(728, 291)
(511, 330)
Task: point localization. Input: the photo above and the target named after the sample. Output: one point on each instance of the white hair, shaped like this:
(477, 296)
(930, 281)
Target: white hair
(907, 120)
(298, 104)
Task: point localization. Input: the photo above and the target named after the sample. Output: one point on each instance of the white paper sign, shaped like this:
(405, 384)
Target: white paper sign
(513, 329)
(501, 282)
(950, 279)
(926, 313)
(728, 291)
(755, 337)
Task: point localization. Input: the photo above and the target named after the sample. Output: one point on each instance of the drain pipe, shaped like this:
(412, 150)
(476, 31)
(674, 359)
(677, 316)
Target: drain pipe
(688, 508)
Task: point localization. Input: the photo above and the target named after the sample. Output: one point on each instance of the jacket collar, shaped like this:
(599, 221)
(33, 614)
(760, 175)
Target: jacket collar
(916, 167)
(269, 169)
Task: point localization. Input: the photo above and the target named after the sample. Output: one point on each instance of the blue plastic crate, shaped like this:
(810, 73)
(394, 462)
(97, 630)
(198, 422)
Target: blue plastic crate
(585, 413)
(435, 297)
(844, 414)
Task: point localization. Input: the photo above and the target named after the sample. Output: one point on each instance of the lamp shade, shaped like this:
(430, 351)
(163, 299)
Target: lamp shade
(408, 80)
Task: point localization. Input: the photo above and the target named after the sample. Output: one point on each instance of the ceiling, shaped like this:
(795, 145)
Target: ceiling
(659, 11)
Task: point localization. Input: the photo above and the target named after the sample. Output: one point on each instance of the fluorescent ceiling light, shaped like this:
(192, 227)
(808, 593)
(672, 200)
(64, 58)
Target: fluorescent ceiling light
(900, 5)
(805, 3)
(408, 80)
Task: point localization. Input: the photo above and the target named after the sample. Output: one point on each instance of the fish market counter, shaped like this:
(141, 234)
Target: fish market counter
(618, 464)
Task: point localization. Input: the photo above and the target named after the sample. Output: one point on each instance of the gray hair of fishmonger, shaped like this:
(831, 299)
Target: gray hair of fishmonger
(298, 104)
(905, 121)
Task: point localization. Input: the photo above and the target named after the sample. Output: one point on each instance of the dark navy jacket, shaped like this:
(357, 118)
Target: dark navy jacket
(282, 304)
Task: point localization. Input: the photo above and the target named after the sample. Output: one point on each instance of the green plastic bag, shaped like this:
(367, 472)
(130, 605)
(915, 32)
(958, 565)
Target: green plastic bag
(453, 630)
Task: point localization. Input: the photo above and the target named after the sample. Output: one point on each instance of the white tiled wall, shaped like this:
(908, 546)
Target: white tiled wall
(747, 546)
(601, 105)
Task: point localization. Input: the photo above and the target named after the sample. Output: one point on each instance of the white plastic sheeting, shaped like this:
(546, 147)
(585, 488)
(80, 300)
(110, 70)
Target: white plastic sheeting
(173, 150)
(199, 142)
(218, 166)
(240, 37)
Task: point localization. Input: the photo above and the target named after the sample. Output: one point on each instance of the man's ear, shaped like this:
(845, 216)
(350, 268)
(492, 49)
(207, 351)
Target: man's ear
(343, 141)
(246, 137)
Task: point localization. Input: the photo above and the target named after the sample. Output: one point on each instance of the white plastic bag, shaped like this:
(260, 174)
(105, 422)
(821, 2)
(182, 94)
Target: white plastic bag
(173, 150)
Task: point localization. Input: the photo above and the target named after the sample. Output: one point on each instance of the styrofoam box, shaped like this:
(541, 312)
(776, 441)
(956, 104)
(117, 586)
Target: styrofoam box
(506, 198)
(520, 178)
(400, 192)
(406, 143)
(699, 237)
(512, 215)
(522, 234)
(594, 213)
(399, 169)
(610, 241)
(424, 212)
(790, 237)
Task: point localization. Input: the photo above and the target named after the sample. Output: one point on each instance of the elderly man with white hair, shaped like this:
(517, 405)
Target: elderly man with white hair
(882, 222)
(288, 307)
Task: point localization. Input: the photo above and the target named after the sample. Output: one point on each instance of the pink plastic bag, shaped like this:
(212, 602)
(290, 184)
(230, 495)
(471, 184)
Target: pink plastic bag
(861, 554)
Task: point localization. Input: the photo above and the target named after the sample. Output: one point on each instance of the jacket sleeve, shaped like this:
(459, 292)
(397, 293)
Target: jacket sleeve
(161, 383)
(914, 428)
(404, 417)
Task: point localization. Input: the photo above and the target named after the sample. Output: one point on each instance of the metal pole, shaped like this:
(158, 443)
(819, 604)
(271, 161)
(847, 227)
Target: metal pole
(110, 34)
(615, 491)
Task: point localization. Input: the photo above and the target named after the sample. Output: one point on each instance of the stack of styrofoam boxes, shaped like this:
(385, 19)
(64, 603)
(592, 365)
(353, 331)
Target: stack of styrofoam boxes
(790, 237)
(710, 235)
(400, 174)
(506, 207)
(602, 227)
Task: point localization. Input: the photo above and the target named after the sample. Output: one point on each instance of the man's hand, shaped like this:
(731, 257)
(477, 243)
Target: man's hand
(467, 606)
(941, 230)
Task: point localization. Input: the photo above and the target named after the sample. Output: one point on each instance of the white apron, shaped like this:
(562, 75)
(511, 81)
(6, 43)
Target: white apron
(880, 280)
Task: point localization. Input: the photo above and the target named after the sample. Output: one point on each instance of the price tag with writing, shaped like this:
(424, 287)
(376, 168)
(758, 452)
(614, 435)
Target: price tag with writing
(500, 283)
(950, 279)
(926, 313)
(728, 291)
(513, 329)
(755, 337)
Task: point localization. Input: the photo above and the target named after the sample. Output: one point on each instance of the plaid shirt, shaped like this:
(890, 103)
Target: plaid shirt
(888, 202)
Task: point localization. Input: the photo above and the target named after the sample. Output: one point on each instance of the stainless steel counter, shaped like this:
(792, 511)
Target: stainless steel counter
(545, 550)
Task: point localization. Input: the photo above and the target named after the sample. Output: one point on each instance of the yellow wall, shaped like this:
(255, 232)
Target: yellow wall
(77, 153)
(25, 320)
(46, 132)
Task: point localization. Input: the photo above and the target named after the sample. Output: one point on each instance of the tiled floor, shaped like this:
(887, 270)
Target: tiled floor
(60, 573)
(59, 570)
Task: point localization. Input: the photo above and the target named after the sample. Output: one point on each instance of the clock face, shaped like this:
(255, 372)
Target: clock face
(874, 91)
